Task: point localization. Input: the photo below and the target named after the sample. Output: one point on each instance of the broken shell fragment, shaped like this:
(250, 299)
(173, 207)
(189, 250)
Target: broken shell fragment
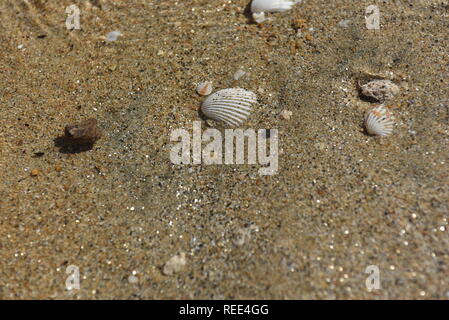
(379, 121)
(232, 106)
(238, 74)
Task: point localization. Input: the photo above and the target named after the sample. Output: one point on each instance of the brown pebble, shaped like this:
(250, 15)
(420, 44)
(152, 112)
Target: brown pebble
(58, 168)
(35, 172)
(86, 132)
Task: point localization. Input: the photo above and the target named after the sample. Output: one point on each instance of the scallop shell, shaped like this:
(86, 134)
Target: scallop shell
(231, 106)
(258, 6)
(379, 121)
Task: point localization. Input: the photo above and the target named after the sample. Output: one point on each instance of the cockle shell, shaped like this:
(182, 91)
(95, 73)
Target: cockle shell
(379, 121)
(231, 106)
(258, 6)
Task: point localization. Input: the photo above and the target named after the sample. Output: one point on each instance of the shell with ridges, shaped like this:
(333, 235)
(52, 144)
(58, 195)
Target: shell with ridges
(231, 106)
(379, 121)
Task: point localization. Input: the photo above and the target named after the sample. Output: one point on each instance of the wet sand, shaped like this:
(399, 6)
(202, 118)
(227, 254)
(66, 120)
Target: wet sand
(341, 201)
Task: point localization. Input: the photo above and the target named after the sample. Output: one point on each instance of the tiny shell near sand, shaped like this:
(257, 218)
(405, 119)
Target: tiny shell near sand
(204, 88)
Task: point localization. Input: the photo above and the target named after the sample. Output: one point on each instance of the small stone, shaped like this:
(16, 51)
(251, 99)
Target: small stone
(58, 168)
(175, 264)
(35, 172)
(379, 90)
(85, 132)
(259, 17)
(344, 23)
(286, 114)
(113, 36)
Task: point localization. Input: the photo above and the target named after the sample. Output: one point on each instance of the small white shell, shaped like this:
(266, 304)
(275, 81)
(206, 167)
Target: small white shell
(231, 106)
(258, 6)
(204, 88)
(380, 90)
(379, 121)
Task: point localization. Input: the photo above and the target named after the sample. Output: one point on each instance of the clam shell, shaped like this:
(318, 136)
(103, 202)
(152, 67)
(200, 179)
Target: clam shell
(232, 106)
(258, 6)
(379, 121)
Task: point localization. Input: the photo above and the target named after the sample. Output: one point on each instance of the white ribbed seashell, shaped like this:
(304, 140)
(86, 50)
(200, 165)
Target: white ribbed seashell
(231, 106)
(379, 121)
(258, 6)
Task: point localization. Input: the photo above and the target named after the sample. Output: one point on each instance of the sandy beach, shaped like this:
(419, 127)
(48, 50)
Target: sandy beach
(133, 225)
